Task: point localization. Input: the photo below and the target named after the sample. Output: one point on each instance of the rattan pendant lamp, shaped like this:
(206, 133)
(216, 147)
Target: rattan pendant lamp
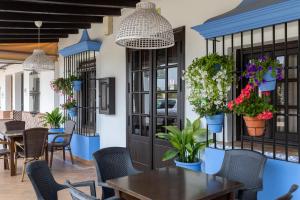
(38, 61)
(145, 29)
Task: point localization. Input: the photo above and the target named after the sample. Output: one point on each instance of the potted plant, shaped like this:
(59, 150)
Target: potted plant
(255, 109)
(210, 79)
(71, 106)
(62, 86)
(263, 73)
(187, 143)
(76, 82)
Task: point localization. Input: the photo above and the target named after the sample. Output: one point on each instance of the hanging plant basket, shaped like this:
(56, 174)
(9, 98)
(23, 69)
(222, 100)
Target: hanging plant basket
(256, 127)
(269, 83)
(215, 122)
(72, 112)
(77, 85)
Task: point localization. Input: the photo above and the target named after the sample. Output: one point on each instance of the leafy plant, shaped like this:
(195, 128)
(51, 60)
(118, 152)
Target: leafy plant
(70, 103)
(250, 104)
(209, 79)
(74, 78)
(53, 119)
(256, 70)
(62, 85)
(186, 143)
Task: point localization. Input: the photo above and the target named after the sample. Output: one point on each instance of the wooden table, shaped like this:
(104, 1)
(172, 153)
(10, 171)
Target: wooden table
(174, 184)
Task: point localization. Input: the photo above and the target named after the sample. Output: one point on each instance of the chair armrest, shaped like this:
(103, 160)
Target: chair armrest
(90, 184)
(102, 184)
(4, 142)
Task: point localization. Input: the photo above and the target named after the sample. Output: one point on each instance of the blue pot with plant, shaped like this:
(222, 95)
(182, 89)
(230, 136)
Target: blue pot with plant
(76, 82)
(72, 112)
(71, 106)
(215, 122)
(186, 143)
(264, 72)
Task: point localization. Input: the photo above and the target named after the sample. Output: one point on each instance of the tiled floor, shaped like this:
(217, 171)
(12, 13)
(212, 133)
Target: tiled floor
(13, 189)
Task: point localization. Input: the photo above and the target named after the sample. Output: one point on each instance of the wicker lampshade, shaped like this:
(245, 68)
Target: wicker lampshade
(38, 61)
(145, 29)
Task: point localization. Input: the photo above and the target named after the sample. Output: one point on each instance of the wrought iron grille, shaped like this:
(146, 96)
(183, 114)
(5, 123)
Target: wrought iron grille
(84, 66)
(282, 136)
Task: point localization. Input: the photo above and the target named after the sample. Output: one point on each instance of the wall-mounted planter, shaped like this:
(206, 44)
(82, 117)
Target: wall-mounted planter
(72, 112)
(255, 127)
(215, 123)
(192, 166)
(269, 84)
(77, 85)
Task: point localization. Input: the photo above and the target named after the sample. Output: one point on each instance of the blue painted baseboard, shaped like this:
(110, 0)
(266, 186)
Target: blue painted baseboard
(84, 146)
(278, 175)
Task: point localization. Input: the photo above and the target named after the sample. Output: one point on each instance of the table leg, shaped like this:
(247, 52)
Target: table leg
(12, 157)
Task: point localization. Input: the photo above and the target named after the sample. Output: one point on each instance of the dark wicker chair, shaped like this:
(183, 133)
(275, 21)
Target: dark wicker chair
(14, 125)
(112, 162)
(62, 141)
(4, 153)
(77, 194)
(246, 167)
(289, 195)
(33, 146)
(44, 184)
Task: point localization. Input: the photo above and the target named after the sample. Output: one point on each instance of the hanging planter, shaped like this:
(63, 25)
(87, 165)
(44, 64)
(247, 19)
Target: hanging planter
(215, 122)
(72, 112)
(269, 82)
(77, 85)
(255, 127)
(263, 73)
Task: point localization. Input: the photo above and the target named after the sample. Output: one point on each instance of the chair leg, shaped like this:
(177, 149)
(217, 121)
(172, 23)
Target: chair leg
(71, 155)
(64, 154)
(6, 165)
(23, 170)
(51, 158)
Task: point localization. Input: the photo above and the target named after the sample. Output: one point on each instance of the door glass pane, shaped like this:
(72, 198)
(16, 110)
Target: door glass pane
(145, 59)
(172, 78)
(146, 103)
(135, 104)
(293, 60)
(136, 125)
(173, 55)
(161, 80)
(293, 121)
(135, 81)
(146, 81)
(280, 93)
(145, 126)
(160, 123)
(161, 104)
(292, 93)
(280, 123)
(292, 73)
(172, 122)
(136, 60)
(172, 103)
(161, 58)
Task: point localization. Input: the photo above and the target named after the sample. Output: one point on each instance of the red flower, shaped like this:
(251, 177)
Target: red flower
(239, 100)
(230, 105)
(266, 115)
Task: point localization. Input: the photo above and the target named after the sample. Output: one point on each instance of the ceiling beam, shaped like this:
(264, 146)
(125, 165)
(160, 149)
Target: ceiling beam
(30, 25)
(27, 40)
(92, 3)
(32, 31)
(32, 36)
(26, 17)
(38, 8)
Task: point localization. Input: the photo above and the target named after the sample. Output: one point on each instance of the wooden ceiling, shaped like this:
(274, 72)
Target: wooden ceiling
(60, 17)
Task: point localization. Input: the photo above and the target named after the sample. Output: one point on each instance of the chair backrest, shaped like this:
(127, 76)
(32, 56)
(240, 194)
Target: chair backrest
(244, 166)
(112, 162)
(69, 129)
(34, 142)
(77, 194)
(14, 125)
(44, 185)
(289, 195)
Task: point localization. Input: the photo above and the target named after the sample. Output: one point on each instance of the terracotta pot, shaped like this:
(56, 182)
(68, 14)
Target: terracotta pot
(256, 127)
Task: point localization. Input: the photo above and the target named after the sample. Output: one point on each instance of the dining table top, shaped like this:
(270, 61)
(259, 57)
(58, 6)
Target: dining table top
(174, 183)
(13, 133)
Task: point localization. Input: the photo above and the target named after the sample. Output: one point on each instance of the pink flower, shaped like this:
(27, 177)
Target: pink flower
(230, 105)
(239, 100)
(266, 115)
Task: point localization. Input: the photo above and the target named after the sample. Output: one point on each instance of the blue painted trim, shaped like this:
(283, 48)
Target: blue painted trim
(266, 16)
(278, 175)
(85, 44)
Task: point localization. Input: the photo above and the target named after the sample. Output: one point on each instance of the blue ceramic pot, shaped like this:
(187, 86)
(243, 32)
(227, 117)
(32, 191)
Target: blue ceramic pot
(77, 85)
(192, 166)
(55, 130)
(215, 122)
(72, 112)
(270, 83)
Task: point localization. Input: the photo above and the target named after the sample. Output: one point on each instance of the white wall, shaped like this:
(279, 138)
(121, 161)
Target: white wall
(111, 59)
